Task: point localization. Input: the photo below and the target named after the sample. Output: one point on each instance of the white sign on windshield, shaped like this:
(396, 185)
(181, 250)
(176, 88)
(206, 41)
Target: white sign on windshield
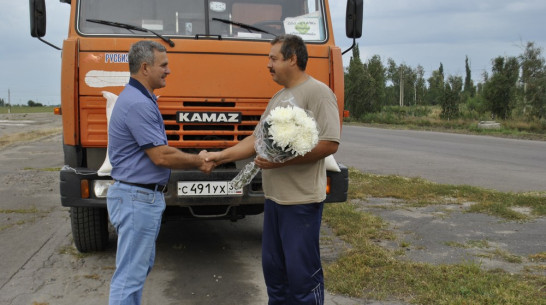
(307, 26)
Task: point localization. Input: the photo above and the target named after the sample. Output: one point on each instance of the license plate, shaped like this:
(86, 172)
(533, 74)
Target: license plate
(207, 188)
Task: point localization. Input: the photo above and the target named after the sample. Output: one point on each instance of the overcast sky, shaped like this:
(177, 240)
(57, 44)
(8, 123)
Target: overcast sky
(412, 32)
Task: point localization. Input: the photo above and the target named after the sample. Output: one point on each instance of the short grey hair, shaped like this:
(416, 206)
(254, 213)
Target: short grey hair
(143, 51)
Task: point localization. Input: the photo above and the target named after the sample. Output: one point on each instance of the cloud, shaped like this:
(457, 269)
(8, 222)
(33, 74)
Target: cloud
(32, 68)
(417, 32)
(427, 33)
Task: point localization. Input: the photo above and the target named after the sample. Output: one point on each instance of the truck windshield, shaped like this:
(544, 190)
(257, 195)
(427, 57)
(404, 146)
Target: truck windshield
(231, 19)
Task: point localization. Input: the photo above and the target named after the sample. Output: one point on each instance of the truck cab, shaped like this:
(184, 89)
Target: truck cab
(217, 90)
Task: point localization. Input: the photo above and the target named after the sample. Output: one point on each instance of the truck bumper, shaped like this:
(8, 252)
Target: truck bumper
(77, 188)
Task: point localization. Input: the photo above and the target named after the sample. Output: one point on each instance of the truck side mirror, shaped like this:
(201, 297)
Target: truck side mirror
(38, 21)
(353, 18)
(37, 18)
(353, 21)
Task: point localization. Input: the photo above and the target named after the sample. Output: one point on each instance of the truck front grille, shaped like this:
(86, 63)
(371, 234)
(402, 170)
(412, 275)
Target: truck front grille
(191, 137)
(210, 135)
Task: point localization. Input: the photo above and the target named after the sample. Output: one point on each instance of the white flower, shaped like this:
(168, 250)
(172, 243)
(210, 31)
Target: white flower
(292, 129)
(282, 133)
(285, 133)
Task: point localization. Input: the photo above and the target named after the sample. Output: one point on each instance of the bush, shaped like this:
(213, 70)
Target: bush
(380, 118)
(408, 111)
(531, 126)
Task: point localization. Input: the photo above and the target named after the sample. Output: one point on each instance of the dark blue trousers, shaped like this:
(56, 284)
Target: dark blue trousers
(291, 254)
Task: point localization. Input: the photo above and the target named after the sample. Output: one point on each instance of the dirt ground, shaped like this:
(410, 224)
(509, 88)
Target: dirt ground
(207, 262)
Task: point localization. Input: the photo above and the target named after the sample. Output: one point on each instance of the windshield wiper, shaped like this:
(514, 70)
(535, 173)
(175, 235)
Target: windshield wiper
(242, 25)
(131, 28)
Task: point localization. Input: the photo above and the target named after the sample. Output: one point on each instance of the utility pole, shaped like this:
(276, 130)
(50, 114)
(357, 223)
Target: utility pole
(9, 102)
(415, 93)
(401, 87)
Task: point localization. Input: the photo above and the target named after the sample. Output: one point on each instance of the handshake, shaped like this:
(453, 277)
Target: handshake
(208, 161)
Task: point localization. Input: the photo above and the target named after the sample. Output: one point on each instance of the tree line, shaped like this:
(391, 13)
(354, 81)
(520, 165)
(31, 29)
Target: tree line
(516, 85)
(30, 103)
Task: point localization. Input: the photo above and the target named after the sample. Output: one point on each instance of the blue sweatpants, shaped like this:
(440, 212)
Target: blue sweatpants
(291, 254)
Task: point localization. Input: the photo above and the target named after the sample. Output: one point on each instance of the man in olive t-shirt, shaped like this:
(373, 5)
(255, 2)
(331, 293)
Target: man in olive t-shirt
(294, 190)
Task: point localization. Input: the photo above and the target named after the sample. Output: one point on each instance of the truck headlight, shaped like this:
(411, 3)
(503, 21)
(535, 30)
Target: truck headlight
(100, 187)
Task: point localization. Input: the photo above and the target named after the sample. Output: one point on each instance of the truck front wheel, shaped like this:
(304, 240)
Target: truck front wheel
(89, 228)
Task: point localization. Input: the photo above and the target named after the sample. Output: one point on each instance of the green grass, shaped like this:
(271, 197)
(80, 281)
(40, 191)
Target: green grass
(367, 270)
(26, 109)
(482, 244)
(420, 192)
(539, 257)
(44, 169)
(19, 211)
(9, 139)
(428, 118)
(33, 211)
(9, 225)
(72, 251)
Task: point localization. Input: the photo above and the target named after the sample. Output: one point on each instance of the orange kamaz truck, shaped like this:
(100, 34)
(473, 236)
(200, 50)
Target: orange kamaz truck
(218, 88)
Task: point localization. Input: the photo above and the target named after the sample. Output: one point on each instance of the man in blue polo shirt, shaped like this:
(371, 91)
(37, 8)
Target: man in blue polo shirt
(141, 162)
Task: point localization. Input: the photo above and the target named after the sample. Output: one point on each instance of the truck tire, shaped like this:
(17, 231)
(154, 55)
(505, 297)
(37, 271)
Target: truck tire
(89, 228)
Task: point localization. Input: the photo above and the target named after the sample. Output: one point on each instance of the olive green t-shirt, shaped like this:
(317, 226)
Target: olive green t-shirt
(304, 183)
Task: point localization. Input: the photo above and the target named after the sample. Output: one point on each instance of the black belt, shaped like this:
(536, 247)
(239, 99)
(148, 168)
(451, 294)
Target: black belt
(152, 186)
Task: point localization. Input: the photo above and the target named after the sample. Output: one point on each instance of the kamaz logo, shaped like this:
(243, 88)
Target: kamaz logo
(208, 117)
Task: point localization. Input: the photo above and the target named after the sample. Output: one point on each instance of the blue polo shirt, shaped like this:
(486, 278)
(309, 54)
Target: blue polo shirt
(135, 125)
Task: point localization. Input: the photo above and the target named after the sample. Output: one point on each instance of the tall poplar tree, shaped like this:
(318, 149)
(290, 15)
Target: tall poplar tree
(392, 92)
(451, 97)
(469, 88)
(533, 76)
(401, 75)
(436, 86)
(420, 86)
(500, 89)
(376, 90)
(410, 80)
(355, 80)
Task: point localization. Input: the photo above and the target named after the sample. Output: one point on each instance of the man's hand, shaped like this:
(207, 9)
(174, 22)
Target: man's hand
(206, 166)
(265, 164)
(212, 156)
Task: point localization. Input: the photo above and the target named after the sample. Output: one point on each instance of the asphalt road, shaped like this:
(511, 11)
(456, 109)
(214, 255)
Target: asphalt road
(484, 161)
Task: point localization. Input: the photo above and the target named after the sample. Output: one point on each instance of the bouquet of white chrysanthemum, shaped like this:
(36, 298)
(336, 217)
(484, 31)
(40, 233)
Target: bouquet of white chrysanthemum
(287, 132)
